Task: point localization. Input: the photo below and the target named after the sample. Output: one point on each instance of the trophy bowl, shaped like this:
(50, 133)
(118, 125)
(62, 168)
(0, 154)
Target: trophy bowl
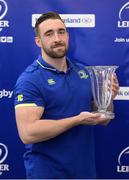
(101, 88)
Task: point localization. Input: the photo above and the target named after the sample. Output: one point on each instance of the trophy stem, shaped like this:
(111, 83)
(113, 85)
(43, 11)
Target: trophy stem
(106, 114)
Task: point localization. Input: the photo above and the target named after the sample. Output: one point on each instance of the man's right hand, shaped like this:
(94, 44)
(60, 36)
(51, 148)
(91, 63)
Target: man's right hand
(88, 118)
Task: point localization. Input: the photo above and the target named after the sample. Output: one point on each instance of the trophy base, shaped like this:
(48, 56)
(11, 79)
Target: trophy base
(106, 114)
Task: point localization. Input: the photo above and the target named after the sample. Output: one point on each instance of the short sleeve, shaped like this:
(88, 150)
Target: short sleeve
(26, 93)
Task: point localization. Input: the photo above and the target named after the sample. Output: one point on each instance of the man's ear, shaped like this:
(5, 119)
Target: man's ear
(38, 41)
(68, 36)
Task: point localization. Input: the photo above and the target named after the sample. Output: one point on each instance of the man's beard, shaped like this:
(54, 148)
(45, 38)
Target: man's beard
(59, 53)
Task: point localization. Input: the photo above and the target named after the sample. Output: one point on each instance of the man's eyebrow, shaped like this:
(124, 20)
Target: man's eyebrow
(62, 29)
(48, 31)
(51, 30)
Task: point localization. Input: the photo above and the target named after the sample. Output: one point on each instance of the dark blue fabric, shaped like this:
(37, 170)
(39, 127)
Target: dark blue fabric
(71, 154)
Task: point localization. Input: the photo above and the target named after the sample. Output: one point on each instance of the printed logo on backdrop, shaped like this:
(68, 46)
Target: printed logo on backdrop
(124, 16)
(3, 12)
(3, 157)
(123, 161)
(6, 94)
(4, 23)
(123, 22)
(123, 94)
(73, 20)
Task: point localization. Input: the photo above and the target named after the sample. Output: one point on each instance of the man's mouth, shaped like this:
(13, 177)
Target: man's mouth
(58, 46)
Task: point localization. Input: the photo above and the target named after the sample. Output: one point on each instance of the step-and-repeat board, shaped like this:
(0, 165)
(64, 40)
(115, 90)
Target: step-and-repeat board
(99, 35)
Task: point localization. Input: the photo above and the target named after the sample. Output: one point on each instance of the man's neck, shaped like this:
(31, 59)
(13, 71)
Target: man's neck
(59, 63)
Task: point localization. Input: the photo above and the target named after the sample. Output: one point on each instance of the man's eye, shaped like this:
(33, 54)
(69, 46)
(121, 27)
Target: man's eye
(62, 32)
(49, 34)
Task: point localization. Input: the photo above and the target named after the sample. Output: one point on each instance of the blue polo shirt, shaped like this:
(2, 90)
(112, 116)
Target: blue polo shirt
(71, 154)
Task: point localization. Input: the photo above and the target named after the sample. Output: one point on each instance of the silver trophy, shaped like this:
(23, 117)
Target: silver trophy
(101, 88)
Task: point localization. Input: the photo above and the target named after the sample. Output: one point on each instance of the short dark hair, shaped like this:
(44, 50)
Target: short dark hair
(43, 17)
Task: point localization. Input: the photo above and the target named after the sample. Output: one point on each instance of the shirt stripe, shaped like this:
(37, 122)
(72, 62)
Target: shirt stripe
(25, 105)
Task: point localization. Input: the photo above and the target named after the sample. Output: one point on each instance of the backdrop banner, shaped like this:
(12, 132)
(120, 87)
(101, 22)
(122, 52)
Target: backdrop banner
(99, 35)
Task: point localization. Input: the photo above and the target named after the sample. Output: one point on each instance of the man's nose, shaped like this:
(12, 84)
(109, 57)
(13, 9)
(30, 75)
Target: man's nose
(56, 37)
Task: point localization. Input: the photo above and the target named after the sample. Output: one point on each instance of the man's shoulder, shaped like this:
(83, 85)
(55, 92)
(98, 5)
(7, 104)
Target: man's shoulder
(80, 65)
(31, 73)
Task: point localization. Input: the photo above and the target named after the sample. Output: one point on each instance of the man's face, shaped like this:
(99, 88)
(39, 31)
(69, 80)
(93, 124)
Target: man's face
(53, 38)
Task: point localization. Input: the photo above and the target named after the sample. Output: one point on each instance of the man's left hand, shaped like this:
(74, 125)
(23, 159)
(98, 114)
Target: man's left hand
(115, 86)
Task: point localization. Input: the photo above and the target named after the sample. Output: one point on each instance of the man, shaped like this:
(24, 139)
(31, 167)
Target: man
(53, 108)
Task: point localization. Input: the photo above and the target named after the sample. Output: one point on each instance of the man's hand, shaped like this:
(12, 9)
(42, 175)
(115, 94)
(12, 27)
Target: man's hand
(87, 118)
(115, 86)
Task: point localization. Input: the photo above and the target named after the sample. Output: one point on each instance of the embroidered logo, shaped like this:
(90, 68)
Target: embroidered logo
(82, 74)
(51, 81)
(20, 97)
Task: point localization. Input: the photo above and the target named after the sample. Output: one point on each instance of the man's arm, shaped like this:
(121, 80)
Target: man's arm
(32, 129)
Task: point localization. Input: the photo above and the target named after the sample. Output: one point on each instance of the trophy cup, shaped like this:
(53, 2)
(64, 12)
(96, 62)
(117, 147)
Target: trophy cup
(101, 88)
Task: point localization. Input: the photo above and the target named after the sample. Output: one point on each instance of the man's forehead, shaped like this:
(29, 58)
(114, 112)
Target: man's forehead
(51, 24)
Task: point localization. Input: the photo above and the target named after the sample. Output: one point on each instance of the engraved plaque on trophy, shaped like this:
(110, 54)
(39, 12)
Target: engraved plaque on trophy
(101, 88)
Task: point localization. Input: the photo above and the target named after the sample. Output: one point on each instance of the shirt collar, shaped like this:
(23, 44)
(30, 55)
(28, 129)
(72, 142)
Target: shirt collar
(47, 66)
